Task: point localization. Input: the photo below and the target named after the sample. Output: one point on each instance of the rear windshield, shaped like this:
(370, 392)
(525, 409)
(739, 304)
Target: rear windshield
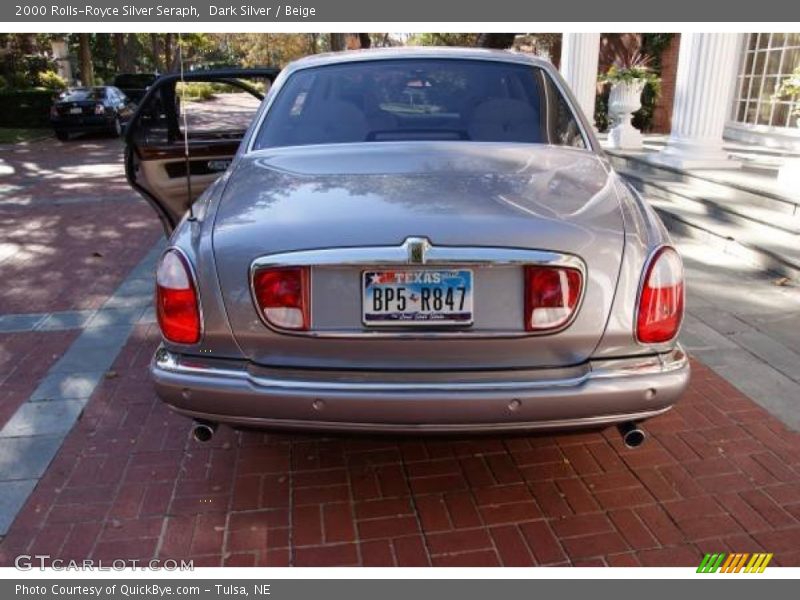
(422, 99)
(82, 94)
(134, 80)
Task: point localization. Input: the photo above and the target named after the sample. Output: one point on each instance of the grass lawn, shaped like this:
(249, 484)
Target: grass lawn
(12, 135)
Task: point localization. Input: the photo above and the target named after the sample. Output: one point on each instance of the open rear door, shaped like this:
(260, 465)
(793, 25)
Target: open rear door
(185, 133)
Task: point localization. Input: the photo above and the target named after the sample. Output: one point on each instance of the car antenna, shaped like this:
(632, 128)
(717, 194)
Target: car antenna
(185, 131)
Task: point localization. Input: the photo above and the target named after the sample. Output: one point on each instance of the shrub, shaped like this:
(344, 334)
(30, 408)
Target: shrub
(790, 89)
(50, 80)
(18, 81)
(25, 108)
(196, 90)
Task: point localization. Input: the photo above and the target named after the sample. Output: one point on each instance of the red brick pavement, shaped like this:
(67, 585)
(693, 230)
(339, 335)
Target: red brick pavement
(74, 257)
(63, 256)
(717, 474)
(24, 359)
(47, 170)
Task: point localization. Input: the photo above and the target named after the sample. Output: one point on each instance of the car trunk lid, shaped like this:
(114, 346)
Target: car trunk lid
(79, 108)
(484, 198)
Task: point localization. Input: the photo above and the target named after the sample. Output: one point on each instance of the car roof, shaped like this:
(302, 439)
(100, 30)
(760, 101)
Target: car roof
(348, 56)
(151, 76)
(93, 88)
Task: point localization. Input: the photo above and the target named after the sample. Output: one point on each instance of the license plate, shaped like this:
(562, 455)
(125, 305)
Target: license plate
(76, 110)
(417, 297)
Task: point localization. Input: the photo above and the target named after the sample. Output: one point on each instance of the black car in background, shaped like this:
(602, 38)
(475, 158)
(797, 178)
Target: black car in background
(100, 109)
(134, 85)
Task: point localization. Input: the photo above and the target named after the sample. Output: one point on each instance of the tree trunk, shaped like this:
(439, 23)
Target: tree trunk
(364, 40)
(555, 52)
(119, 51)
(155, 47)
(496, 40)
(313, 41)
(338, 42)
(133, 51)
(85, 52)
(169, 55)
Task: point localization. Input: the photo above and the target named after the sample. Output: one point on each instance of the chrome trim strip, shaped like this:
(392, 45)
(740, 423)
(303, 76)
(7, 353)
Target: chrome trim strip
(434, 255)
(451, 256)
(650, 365)
(424, 427)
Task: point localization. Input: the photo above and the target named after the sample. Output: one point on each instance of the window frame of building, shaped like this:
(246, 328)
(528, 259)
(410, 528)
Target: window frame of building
(766, 59)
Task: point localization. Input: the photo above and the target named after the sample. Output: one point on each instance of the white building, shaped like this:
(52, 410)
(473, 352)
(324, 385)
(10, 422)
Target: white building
(725, 89)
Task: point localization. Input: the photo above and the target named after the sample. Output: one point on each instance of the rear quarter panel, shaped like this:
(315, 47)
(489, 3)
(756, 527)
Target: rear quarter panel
(644, 234)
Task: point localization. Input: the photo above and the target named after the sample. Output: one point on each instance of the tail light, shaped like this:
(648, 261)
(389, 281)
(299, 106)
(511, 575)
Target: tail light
(551, 296)
(282, 296)
(99, 109)
(177, 304)
(661, 300)
(53, 111)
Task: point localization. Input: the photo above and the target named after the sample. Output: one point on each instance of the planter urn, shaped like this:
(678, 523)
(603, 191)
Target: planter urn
(625, 99)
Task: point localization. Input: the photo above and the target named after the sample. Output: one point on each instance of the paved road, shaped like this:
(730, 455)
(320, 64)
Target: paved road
(92, 465)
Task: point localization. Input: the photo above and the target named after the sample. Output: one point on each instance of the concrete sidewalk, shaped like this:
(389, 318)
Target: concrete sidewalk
(745, 325)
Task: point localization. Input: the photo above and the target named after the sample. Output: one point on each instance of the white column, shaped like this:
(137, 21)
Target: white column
(579, 55)
(61, 57)
(704, 86)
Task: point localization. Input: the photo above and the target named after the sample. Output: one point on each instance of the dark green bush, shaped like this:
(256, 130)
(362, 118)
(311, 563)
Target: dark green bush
(25, 108)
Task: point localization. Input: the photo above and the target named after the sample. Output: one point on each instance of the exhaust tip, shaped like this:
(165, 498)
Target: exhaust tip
(203, 432)
(632, 435)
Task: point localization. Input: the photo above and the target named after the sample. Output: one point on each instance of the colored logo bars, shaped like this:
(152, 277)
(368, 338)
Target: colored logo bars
(734, 563)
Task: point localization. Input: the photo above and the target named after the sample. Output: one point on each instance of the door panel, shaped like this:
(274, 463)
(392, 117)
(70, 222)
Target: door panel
(185, 133)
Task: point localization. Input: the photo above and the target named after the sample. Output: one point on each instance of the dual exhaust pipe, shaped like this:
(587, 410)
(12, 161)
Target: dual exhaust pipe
(203, 431)
(632, 435)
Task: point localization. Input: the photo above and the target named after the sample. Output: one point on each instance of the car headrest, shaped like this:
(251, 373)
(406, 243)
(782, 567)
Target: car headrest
(502, 120)
(337, 122)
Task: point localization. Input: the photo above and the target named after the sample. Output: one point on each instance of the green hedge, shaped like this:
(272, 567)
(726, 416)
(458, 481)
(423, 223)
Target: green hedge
(25, 108)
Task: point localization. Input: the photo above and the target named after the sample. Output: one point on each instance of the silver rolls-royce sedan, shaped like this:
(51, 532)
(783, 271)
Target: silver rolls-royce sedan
(424, 240)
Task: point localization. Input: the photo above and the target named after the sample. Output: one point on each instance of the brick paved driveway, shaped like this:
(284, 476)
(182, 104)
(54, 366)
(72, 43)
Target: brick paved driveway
(70, 226)
(718, 473)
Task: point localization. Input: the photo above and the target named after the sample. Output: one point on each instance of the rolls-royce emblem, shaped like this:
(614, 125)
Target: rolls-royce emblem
(417, 249)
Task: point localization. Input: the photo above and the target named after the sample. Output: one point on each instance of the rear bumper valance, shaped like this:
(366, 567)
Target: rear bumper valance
(595, 394)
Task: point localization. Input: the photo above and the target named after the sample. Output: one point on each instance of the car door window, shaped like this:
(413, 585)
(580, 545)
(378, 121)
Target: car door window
(209, 115)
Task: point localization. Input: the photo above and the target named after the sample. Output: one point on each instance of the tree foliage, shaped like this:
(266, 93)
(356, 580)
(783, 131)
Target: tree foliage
(444, 39)
(264, 49)
(98, 57)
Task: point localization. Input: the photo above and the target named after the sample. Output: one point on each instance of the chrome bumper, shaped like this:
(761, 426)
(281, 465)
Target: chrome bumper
(596, 393)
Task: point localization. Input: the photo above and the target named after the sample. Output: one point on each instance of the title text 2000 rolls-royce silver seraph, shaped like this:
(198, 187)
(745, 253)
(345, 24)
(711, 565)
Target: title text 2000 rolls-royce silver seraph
(402, 240)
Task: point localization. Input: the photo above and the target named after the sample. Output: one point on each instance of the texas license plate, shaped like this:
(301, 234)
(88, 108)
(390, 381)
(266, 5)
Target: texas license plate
(417, 297)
